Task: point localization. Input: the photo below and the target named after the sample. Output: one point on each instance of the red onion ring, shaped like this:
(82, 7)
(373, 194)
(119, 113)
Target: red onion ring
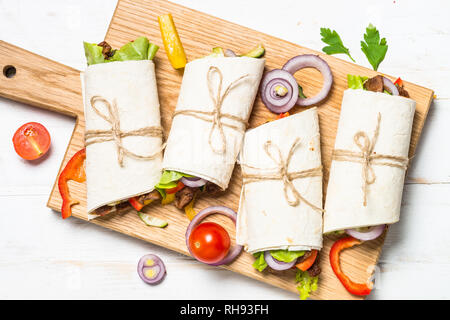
(372, 234)
(233, 252)
(311, 61)
(273, 102)
(193, 183)
(390, 86)
(277, 264)
(157, 266)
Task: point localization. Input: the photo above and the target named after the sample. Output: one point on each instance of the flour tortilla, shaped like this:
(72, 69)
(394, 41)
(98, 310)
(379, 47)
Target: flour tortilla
(265, 219)
(188, 150)
(133, 85)
(344, 201)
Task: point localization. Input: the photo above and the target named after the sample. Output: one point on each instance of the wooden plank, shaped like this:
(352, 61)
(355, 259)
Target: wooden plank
(199, 33)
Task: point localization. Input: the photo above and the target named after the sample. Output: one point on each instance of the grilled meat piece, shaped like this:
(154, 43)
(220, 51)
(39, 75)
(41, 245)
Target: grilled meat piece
(212, 188)
(374, 84)
(107, 50)
(184, 196)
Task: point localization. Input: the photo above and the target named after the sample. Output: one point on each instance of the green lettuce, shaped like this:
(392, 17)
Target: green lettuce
(285, 255)
(355, 82)
(93, 53)
(260, 263)
(306, 284)
(139, 49)
(169, 179)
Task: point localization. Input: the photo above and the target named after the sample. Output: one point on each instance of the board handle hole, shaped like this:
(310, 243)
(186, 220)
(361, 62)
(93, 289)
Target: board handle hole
(9, 71)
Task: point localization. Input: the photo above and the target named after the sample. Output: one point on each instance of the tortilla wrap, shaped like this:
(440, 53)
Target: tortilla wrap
(344, 207)
(266, 221)
(188, 149)
(132, 84)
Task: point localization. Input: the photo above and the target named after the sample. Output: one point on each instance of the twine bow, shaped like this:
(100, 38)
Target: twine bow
(216, 115)
(367, 157)
(293, 197)
(115, 134)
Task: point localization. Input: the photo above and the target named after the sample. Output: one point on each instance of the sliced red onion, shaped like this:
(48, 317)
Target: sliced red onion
(274, 102)
(229, 53)
(193, 183)
(151, 269)
(234, 251)
(277, 264)
(372, 233)
(192, 178)
(390, 86)
(311, 61)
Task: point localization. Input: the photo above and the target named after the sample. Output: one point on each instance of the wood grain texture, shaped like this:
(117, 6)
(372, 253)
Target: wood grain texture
(199, 33)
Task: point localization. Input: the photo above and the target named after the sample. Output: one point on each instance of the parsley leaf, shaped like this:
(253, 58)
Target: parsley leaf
(374, 48)
(334, 42)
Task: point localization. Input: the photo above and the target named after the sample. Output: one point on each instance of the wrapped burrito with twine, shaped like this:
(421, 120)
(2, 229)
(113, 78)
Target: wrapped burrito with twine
(123, 133)
(214, 105)
(281, 198)
(369, 160)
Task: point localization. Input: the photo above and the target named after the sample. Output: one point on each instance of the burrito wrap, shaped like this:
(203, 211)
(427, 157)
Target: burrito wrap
(344, 200)
(188, 149)
(132, 85)
(265, 219)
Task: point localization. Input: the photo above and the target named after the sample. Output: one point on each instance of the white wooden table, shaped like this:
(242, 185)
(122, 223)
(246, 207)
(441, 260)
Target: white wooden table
(42, 256)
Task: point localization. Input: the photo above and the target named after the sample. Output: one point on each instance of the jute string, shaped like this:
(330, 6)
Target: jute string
(367, 157)
(293, 197)
(116, 134)
(216, 115)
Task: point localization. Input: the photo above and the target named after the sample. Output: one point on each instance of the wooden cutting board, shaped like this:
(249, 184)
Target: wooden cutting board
(47, 84)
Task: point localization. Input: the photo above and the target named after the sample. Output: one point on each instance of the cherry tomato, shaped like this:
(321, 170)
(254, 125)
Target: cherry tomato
(209, 242)
(31, 141)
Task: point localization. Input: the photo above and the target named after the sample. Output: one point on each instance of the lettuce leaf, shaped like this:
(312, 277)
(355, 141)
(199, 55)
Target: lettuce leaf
(285, 255)
(169, 179)
(306, 284)
(356, 82)
(93, 53)
(135, 50)
(260, 263)
(139, 49)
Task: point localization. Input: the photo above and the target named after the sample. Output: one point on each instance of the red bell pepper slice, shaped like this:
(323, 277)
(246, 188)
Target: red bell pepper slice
(179, 186)
(399, 82)
(308, 262)
(283, 115)
(359, 289)
(136, 203)
(74, 170)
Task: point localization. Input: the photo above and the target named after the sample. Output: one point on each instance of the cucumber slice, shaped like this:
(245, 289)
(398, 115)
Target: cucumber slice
(216, 52)
(257, 52)
(152, 221)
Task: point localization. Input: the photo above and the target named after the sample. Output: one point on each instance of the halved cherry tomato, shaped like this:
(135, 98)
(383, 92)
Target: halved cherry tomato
(308, 262)
(209, 242)
(179, 186)
(31, 141)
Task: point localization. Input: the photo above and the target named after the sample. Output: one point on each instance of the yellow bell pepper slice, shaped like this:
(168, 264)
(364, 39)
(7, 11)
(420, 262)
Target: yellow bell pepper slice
(189, 209)
(170, 197)
(172, 43)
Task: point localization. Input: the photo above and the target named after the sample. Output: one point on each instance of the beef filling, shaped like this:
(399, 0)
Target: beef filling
(374, 84)
(107, 51)
(184, 196)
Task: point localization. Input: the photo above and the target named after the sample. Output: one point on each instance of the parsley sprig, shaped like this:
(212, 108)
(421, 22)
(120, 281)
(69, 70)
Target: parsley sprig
(374, 48)
(334, 42)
